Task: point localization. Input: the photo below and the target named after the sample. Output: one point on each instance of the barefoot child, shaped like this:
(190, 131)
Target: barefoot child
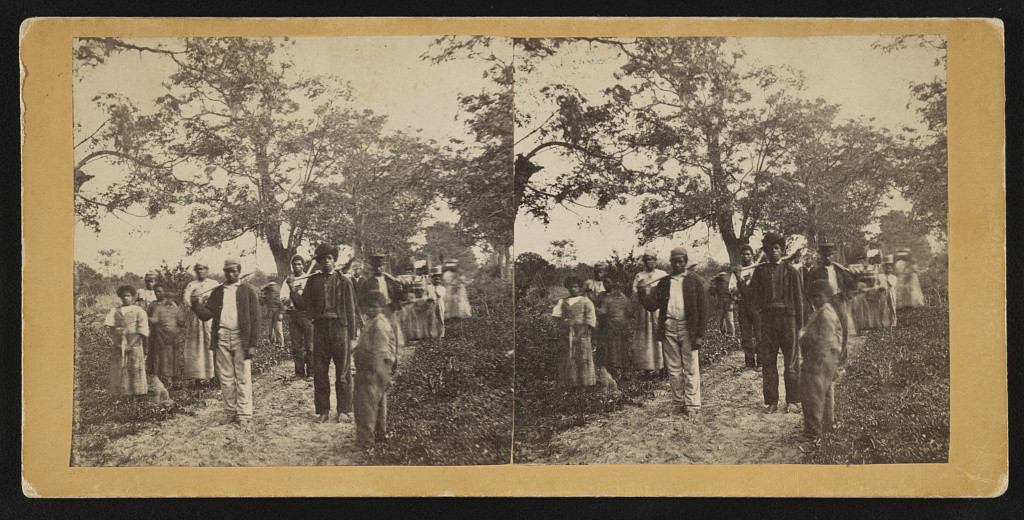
(614, 352)
(576, 366)
(822, 349)
(165, 320)
(127, 326)
(376, 358)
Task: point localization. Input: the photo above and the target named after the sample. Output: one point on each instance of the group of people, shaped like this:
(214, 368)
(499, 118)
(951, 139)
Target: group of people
(805, 312)
(333, 316)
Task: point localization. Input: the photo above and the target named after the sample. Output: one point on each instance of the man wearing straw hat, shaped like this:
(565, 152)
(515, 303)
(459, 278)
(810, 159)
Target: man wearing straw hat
(682, 304)
(300, 328)
(234, 309)
(776, 290)
(329, 301)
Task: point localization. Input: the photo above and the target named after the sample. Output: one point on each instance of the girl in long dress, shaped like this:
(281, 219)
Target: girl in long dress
(576, 364)
(886, 289)
(908, 287)
(127, 325)
(165, 322)
(457, 299)
(613, 352)
(646, 347)
(197, 358)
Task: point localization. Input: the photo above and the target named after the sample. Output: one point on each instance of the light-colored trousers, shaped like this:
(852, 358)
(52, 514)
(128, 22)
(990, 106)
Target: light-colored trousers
(235, 373)
(682, 363)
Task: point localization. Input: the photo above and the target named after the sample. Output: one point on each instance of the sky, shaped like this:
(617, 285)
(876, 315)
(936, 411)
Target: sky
(387, 75)
(840, 69)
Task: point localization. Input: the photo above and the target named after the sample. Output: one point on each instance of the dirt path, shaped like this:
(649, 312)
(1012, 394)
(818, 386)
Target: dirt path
(282, 433)
(731, 428)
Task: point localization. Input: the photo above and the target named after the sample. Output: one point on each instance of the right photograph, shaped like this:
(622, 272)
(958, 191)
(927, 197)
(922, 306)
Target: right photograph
(731, 250)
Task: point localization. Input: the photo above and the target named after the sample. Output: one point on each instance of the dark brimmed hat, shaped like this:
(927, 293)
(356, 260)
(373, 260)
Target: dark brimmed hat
(323, 250)
(826, 245)
(772, 238)
(821, 287)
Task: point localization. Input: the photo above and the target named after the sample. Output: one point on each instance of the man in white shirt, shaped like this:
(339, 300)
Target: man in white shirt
(682, 301)
(234, 308)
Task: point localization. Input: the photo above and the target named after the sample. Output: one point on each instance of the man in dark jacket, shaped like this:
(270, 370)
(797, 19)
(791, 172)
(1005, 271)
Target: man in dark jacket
(377, 280)
(234, 308)
(748, 317)
(682, 303)
(329, 301)
(776, 290)
(840, 280)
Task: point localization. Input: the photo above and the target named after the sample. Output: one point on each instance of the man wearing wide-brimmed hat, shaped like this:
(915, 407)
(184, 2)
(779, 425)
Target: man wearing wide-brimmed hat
(647, 353)
(776, 290)
(682, 305)
(234, 309)
(329, 301)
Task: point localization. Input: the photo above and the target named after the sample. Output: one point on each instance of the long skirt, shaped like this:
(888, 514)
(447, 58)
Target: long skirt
(613, 349)
(429, 318)
(576, 367)
(196, 354)
(866, 310)
(647, 353)
(395, 318)
(908, 292)
(887, 308)
(457, 302)
(163, 353)
(128, 367)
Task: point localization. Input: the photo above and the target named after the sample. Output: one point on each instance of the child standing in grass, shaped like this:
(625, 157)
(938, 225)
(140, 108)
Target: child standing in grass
(166, 320)
(822, 349)
(376, 359)
(614, 345)
(576, 366)
(127, 325)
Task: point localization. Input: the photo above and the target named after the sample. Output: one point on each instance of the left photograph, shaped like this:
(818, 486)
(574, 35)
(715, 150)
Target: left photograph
(293, 251)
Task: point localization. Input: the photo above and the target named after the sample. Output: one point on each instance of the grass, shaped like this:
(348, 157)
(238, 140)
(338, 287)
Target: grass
(452, 401)
(893, 403)
(542, 409)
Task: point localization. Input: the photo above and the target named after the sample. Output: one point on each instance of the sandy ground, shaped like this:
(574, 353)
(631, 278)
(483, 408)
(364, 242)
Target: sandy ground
(731, 428)
(282, 432)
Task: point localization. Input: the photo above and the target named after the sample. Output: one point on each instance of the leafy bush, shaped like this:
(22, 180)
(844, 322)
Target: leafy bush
(893, 403)
(451, 403)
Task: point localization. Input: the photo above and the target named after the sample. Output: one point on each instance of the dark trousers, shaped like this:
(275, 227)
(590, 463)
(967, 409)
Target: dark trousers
(330, 343)
(750, 324)
(373, 375)
(300, 329)
(778, 332)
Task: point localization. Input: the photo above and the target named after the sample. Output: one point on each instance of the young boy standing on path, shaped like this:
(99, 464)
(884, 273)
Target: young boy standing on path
(376, 358)
(823, 350)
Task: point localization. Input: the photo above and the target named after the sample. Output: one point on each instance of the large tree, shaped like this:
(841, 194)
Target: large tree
(478, 183)
(249, 147)
(705, 151)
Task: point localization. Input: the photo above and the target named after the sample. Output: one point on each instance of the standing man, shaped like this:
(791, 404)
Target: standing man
(682, 303)
(841, 281)
(776, 290)
(749, 319)
(437, 291)
(197, 352)
(329, 301)
(300, 327)
(647, 354)
(234, 308)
